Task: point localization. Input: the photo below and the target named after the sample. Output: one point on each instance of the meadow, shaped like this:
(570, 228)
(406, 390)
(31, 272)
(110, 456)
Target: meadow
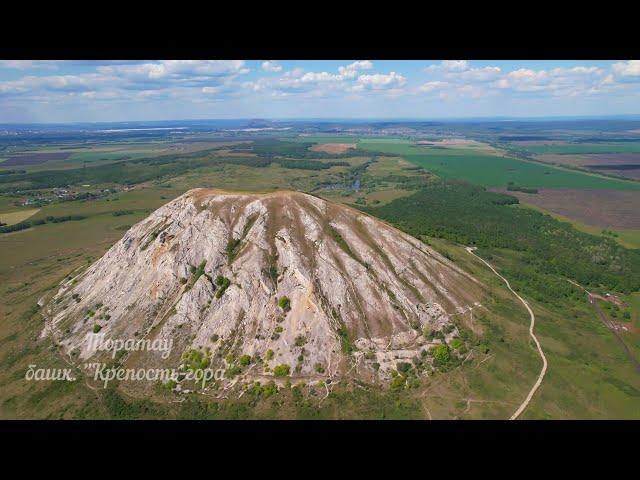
(589, 377)
(589, 374)
(478, 167)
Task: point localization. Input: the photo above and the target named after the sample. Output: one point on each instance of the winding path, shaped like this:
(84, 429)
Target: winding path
(536, 385)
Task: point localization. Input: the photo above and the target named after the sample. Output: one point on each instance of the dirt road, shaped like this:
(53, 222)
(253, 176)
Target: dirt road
(536, 385)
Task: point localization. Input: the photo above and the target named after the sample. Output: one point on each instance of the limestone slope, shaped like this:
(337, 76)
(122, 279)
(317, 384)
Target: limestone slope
(360, 292)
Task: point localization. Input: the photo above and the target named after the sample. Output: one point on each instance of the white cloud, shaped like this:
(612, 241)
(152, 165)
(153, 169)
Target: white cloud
(630, 68)
(448, 66)
(462, 79)
(455, 65)
(210, 89)
(557, 81)
(380, 80)
(68, 83)
(270, 66)
(317, 77)
(433, 86)
(351, 70)
(99, 95)
(484, 74)
(461, 71)
(148, 84)
(27, 64)
(176, 69)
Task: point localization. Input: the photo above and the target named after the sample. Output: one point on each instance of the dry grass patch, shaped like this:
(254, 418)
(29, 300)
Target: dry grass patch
(17, 217)
(333, 148)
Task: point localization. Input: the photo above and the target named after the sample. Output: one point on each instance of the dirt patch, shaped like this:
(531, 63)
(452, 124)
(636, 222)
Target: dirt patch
(532, 143)
(625, 327)
(334, 148)
(448, 142)
(600, 208)
(35, 158)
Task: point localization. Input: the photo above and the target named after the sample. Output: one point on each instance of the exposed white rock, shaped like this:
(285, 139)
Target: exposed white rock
(353, 282)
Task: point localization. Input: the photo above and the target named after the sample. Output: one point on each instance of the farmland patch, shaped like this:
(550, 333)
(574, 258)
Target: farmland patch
(334, 148)
(599, 208)
(12, 218)
(35, 158)
(482, 168)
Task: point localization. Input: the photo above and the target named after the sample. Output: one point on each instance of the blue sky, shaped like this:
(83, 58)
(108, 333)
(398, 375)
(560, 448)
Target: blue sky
(80, 91)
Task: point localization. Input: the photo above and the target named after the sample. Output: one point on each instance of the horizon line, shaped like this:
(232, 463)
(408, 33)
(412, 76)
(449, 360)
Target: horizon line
(348, 119)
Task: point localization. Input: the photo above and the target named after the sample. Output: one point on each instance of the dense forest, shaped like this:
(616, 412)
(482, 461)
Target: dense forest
(469, 215)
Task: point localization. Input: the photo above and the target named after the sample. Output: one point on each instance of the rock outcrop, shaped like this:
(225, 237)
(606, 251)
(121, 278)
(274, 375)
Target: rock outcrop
(284, 277)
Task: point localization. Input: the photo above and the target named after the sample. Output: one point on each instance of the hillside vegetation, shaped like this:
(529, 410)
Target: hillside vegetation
(470, 215)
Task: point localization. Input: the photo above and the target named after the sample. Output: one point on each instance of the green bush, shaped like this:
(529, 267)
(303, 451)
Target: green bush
(345, 341)
(284, 303)
(398, 382)
(170, 385)
(281, 370)
(269, 389)
(222, 283)
(195, 360)
(441, 353)
(403, 367)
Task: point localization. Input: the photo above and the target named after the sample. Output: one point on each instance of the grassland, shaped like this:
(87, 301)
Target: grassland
(481, 168)
(106, 153)
(588, 376)
(479, 165)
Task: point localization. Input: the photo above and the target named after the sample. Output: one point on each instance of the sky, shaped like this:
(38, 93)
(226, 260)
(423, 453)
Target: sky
(105, 91)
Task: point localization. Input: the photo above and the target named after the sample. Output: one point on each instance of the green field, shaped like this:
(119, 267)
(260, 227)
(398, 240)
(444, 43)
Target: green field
(584, 148)
(481, 168)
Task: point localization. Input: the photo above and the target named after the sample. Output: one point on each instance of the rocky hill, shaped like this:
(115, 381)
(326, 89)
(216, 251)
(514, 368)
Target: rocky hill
(257, 281)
